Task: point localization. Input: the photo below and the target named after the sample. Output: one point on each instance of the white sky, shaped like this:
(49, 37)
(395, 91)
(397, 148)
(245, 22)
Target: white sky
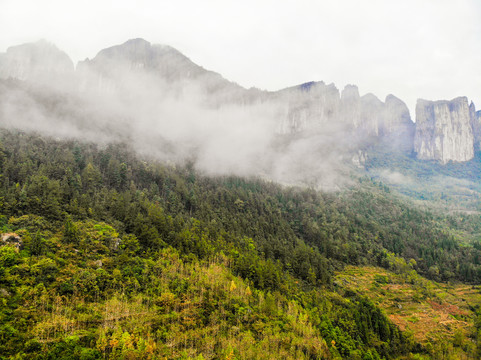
(411, 48)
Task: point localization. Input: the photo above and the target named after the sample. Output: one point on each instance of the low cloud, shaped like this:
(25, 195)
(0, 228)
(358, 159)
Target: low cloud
(178, 121)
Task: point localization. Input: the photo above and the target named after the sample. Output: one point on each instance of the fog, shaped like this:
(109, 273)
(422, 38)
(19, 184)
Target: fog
(395, 177)
(168, 108)
(222, 128)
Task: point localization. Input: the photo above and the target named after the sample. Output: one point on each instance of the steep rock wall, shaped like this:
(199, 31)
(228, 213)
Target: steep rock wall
(397, 128)
(308, 107)
(444, 130)
(39, 63)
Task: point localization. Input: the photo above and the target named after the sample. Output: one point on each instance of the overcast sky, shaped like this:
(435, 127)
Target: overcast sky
(411, 48)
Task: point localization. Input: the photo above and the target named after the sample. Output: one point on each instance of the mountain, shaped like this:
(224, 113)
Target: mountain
(166, 104)
(39, 63)
(138, 63)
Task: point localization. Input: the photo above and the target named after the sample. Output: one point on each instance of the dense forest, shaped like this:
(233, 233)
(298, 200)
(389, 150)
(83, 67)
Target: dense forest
(110, 255)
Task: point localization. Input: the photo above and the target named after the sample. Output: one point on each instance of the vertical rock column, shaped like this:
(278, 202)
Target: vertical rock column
(476, 125)
(397, 128)
(444, 130)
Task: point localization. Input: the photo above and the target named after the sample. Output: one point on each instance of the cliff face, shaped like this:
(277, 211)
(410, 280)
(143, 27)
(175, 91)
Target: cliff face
(351, 106)
(308, 107)
(316, 106)
(38, 63)
(398, 128)
(143, 74)
(444, 130)
(372, 115)
(476, 126)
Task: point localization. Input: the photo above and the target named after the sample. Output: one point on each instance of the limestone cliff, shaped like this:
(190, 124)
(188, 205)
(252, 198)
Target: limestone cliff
(135, 68)
(397, 127)
(307, 107)
(351, 106)
(143, 74)
(38, 63)
(315, 106)
(372, 115)
(476, 125)
(444, 130)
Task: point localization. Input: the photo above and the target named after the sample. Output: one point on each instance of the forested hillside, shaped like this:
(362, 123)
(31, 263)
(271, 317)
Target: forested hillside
(109, 255)
(454, 186)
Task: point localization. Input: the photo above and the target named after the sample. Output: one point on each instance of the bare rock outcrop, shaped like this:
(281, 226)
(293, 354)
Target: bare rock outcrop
(12, 239)
(315, 106)
(444, 130)
(476, 125)
(351, 106)
(372, 114)
(397, 128)
(310, 106)
(139, 77)
(39, 63)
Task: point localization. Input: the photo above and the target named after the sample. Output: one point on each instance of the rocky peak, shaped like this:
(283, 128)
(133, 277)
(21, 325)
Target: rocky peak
(310, 106)
(472, 108)
(133, 49)
(315, 105)
(38, 62)
(371, 114)
(141, 54)
(139, 63)
(398, 113)
(397, 128)
(138, 55)
(444, 130)
(350, 92)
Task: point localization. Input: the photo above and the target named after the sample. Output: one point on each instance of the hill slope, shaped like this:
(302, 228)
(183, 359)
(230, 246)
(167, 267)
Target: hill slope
(125, 257)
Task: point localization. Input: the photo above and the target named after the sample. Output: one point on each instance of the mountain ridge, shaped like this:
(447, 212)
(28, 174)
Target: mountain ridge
(306, 108)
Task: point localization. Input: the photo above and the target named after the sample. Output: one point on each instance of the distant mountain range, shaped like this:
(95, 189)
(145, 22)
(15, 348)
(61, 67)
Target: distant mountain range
(136, 70)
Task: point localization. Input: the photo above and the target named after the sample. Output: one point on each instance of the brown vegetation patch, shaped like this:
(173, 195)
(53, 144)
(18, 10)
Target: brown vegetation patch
(428, 310)
(447, 308)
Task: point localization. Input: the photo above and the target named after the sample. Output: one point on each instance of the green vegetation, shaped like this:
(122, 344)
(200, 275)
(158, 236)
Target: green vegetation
(454, 186)
(442, 317)
(127, 258)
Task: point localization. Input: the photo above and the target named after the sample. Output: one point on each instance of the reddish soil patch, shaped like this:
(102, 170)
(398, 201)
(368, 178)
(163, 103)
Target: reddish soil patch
(447, 308)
